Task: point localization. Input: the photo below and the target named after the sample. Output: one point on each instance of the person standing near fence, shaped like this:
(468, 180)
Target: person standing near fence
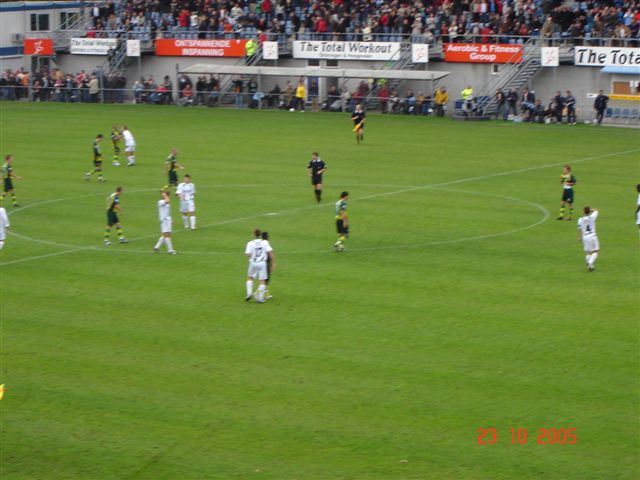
(600, 105)
(441, 100)
(94, 89)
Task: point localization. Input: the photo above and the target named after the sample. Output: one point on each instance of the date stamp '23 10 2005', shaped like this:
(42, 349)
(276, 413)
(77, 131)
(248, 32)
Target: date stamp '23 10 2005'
(519, 436)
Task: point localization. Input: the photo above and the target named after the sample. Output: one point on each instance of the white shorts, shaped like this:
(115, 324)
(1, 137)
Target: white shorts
(590, 243)
(187, 206)
(638, 218)
(259, 270)
(130, 147)
(165, 225)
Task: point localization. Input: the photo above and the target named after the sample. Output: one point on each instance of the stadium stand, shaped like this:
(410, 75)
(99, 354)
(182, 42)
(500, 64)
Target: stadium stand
(431, 21)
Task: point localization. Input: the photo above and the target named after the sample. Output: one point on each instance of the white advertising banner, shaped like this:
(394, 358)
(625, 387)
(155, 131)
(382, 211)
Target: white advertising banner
(133, 48)
(550, 56)
(92, 46)
(607, 56)
(419, 53)
(347, 50)
(270, 50)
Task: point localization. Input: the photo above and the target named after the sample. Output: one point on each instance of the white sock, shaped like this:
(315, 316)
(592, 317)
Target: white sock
(169, 244)
(249, 288)
(192, 221)
(586, 258)
(261, 290)
(132, 159)
(1, 244)
(159, 243)
(185, 221)
(592, 260)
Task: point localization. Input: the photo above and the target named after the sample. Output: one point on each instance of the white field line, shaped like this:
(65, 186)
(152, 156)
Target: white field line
(308, 207)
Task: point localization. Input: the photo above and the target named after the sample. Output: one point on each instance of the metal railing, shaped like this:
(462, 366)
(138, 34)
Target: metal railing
(148, 36)
(507, 74)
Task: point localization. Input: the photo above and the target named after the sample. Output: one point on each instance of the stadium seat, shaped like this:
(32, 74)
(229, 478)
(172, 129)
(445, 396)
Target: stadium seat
(625, 115)
(635, 114)
(608, 113)
(616, 113)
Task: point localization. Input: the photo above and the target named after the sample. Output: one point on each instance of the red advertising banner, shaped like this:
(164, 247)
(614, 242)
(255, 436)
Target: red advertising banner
(482, 53)
(38, 46)
(200, 48)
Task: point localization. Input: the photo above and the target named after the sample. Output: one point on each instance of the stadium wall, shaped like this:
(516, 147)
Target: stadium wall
(580, 80)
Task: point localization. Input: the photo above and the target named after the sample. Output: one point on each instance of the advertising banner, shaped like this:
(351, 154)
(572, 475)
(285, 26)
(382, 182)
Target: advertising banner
(419, 53)
(200, 48)
(550, 56)
(270, 50)
(347, 50)
(38, 46)
(133, 48)
(482, 53)
(92, 46)
(606, 56)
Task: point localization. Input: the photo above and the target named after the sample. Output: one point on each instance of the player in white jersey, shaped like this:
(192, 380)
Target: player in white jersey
(186, 191)
(164, 215)
(258, 251)
(587, 231)
(129, 146)
(4, 224)
(638, 208)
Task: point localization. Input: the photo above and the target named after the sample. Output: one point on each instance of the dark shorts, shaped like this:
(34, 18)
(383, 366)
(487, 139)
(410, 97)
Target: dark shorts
(116, 150)
(112, 218)
(567, 195)
(97, 163)
(173, 177)
(316, 179)
(361, 126)
(342, 230)
(8, 185)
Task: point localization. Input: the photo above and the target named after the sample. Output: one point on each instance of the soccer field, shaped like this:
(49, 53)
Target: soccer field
(460, 303)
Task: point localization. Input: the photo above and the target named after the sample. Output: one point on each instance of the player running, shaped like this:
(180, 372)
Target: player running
(116, 136)
(172, 166)
(567, 180)
(4, 224)
(97, 160)
(587, 230)
(113, 208)
(129, 146)
(342, 222)
(358, 117)
(164, 215)
(186, 191)
(8, 175)
(316, 168)
(258, 251)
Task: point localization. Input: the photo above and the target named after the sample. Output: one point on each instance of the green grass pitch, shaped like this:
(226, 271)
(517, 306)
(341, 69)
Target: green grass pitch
(461, 303)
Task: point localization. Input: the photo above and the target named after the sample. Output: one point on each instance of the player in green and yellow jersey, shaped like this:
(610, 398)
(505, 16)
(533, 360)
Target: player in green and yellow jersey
(172, 166)
(97, 160)
(567, 180)
(113, 208)
(116, 136)
(342, 222)
(8, 176)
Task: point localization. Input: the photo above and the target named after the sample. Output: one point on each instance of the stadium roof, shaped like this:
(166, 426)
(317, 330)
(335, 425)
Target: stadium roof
(205, 68)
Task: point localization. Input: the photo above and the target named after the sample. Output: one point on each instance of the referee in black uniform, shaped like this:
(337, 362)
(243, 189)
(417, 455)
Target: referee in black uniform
(316, 168)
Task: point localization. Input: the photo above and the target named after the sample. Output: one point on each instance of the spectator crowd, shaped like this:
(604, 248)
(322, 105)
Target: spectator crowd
(366, 20)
